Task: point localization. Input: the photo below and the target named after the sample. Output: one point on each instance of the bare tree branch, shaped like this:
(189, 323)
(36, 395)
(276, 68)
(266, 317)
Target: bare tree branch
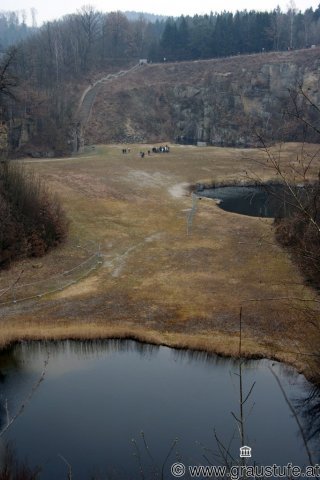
(26, 401)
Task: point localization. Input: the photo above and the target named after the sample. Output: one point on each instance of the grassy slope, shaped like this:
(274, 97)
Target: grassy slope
(157, 283)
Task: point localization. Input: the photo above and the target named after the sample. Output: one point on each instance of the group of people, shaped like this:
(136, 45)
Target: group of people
(160, 149)
(165, 149)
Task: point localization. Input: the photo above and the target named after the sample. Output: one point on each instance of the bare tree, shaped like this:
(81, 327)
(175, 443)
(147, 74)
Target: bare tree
(90, 23)
(291, 12)
(7, 80)
(34, 14)
(117, 31)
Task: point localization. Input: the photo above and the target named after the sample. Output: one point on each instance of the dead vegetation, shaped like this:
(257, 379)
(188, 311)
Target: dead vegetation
(302, 237)
(32, 220)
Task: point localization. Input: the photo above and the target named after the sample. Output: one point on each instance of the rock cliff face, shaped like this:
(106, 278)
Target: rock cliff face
(221, 102)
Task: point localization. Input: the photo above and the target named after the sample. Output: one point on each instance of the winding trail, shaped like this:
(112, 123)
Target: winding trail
(86, 103)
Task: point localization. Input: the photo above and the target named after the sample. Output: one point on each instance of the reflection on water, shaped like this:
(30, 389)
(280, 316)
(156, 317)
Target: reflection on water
(308, 408)
(272, 201)
(8, 362)
(98, 396)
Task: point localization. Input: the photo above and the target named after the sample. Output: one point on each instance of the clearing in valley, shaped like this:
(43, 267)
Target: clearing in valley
(164, 278)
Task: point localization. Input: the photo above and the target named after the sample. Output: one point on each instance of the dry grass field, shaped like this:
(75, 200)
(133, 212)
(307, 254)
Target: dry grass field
(159, 282)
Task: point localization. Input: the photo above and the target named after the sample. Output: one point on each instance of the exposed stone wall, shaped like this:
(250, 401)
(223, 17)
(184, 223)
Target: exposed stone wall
(233, 108)
(221, 102)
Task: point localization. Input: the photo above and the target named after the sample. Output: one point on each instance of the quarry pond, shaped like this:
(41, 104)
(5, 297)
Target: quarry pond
(268, 201)
(97, 397)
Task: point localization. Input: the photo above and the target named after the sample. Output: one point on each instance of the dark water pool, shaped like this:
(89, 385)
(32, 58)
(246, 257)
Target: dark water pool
(257, 201)
(97, 397)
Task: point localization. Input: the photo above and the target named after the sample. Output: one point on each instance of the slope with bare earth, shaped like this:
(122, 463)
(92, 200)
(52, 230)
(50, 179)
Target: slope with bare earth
(159, 281)
(223, 101)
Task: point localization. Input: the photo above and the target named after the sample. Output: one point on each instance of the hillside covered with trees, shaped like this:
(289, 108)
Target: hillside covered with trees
(13, 28)
(53, 64)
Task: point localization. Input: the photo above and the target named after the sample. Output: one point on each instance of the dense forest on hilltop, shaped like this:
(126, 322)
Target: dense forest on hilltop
(90, 40)
(225, 34)
(52, 65)
(13, 28)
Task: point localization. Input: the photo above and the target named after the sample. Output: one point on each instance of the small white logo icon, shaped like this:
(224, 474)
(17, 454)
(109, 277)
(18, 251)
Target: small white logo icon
(178, 470)
(245, 452)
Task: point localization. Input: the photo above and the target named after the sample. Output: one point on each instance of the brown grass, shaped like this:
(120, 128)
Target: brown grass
(157, 283)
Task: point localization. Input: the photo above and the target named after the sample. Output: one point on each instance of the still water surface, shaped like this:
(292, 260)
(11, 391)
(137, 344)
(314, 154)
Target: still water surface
(98, 396)
(268, 201)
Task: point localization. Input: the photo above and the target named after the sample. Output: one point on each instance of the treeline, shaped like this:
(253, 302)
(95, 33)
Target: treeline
(226, 34)
(55, 63)
(13, 28)
(88, 42)
(91, 41)
(84, 43)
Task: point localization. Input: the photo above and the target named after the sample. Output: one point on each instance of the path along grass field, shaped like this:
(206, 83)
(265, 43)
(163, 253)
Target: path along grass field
(158, 282)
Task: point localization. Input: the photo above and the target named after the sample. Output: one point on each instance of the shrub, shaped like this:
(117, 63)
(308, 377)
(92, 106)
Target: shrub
(31, 217)
(301, 233)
